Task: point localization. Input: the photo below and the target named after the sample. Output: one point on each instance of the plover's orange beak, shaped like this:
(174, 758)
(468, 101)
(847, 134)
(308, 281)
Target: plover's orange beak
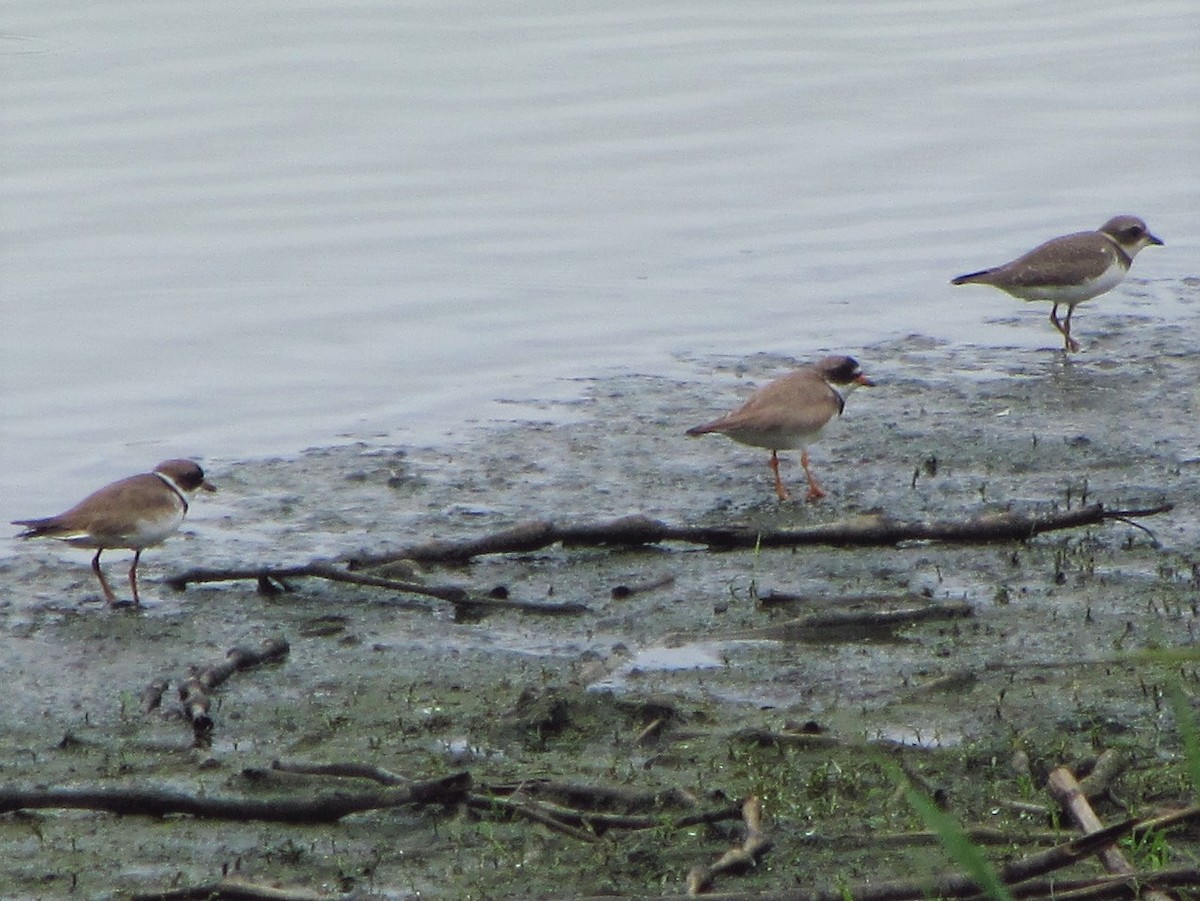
(208, 486)
(861, 379)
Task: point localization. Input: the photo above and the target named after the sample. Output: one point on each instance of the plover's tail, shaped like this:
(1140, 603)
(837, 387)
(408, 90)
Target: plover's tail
(39, 528)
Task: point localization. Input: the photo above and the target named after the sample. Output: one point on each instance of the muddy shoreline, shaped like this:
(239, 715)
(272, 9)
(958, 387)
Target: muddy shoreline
(1051, 661)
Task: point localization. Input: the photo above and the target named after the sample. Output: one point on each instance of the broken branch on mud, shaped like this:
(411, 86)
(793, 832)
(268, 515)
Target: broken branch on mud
(234, 888)
(738, 859)
(195, 689)
(638, 530)
(855, 625)
(1072, 797)
(462, 599)
(574, 812)
(142, 801)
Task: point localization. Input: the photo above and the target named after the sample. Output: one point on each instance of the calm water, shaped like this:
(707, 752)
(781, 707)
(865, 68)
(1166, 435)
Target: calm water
(237, 229)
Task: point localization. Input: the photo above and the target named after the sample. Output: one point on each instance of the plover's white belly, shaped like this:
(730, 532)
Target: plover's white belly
(1073, 294)
(135, 535)
(149, 532)
(774, 439)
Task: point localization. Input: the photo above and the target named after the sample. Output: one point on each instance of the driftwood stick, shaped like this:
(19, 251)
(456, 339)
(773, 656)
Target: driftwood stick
(233, 888)
(637, 530)
(1107, 767)
(1080, 890)
(319, 569)
(195, 702)
(1065, 854)
(857, 624)
(140, 801)
(980, 835)
(600, 823)
(1063, 787)
(1106, 887)
(621, 592)
(194, 691)
(962, 886)
(590, 797)
(579, 800)
(735, 860)
(581, 820)
(530, 810)
(1169, 818)
(342, 770)
(1065, 790)
(243, 658)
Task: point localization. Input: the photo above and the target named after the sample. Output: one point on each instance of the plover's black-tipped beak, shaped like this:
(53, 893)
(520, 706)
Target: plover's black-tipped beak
(208, 486)
(861, 379)
(1153, 240)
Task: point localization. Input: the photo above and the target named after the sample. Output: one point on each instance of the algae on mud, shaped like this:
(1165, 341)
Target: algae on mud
(1057, 660)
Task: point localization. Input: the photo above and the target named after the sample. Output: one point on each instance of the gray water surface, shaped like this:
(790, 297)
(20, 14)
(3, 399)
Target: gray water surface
(242, 229)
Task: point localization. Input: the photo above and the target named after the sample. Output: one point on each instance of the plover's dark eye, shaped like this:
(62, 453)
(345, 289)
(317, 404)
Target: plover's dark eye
(1134, 231)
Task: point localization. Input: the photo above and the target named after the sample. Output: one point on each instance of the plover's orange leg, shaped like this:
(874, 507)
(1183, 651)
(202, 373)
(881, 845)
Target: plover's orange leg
(1064, 328)
(780, 489)
(137, 555)
(815, 491)
(108, 592)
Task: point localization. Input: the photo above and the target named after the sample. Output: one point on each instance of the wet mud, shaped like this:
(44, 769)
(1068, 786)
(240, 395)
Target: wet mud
(1057, 647)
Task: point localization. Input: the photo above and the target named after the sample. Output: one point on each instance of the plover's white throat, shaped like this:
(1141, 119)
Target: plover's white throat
(790, 413)
(1070, 269)
(134, 513)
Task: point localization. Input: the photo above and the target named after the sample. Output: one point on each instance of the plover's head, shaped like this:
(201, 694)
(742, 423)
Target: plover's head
(843, 373)
(1130, 232)
(186, 475)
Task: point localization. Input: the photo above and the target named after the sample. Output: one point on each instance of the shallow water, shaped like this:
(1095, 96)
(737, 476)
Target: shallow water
(236, 230)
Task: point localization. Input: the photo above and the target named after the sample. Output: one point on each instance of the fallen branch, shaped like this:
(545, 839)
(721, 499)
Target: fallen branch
(1080, 890)
(621, 592)
(855, 625)
(577, 813)
(158, 802)
(979, 835)
(735, 860)
(531, 811)
(341, 770)
(234, 888)
(590, 797)
(805, 736)
(463, 600)
(637, 531)
(1071, 796)
(566, 819)
(1104, 770)
(194, 691)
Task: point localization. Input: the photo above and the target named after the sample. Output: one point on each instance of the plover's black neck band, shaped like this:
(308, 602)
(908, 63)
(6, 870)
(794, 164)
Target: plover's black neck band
(178, 493)
(841, 399)
(1122, 256)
